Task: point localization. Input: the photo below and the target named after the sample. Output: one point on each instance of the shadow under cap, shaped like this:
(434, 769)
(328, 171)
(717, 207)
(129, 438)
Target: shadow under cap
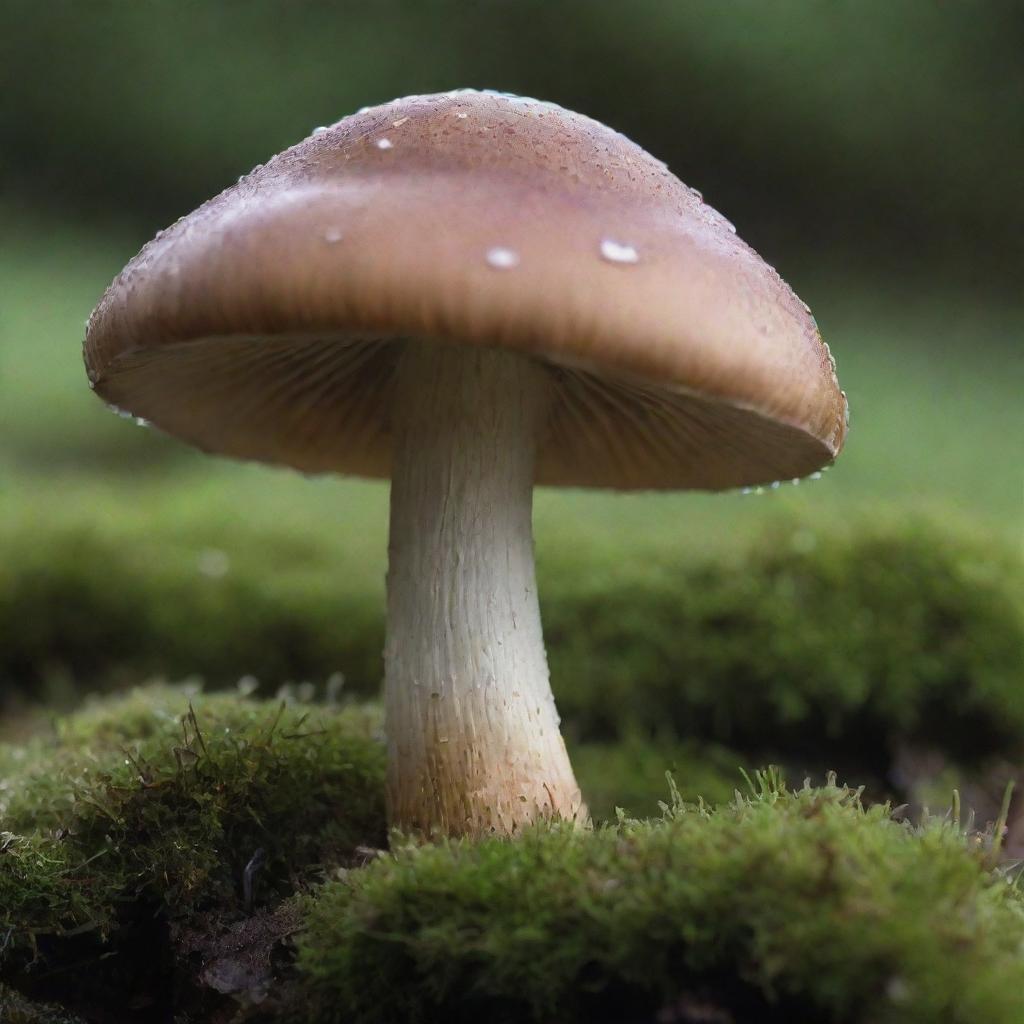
(267, 324)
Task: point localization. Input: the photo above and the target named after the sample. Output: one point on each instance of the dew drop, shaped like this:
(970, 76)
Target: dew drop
(815, 476)
(140, 422)
(320, 129)
(501, 258)
(333, 236)
(384, 144)
(617, 252)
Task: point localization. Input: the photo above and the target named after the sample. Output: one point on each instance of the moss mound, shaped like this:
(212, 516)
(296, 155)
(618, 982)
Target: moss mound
(16, 1009)
(813, 645)
(161, 851)
(780, 907)
(84, 608)
(148, 825)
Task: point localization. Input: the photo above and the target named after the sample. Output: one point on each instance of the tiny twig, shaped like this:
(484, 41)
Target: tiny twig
(145, 777)
(252, 869)
(275, 722)
(1000, 826)
(195, 726)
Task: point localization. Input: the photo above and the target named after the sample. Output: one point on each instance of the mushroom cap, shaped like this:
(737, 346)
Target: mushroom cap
(267, 324)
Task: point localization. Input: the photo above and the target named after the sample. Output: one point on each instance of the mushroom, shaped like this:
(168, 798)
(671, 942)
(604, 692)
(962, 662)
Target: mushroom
(470, 293)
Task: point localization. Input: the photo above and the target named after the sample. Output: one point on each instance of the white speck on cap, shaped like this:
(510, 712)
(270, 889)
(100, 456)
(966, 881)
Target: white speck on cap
(617, 252)
(502, 258)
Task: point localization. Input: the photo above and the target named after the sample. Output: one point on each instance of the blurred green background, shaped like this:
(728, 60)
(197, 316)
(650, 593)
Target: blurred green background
(872, 151)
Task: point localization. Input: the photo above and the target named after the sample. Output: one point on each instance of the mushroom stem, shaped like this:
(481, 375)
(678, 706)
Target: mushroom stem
(474, 746)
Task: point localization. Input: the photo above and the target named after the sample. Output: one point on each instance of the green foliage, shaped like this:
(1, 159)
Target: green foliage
(841, 108)
(781, 907)
(153, 805)
(806, 645)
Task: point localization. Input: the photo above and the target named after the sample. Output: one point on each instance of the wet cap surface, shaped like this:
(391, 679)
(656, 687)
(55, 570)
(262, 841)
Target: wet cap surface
(268, 323)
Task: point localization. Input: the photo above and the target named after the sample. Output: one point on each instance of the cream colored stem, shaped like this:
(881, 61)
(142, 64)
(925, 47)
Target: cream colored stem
(473, 741)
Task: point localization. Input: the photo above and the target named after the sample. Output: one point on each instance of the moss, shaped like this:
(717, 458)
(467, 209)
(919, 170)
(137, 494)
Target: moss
(85, 608)
(16, 1009)
(812, 645)
(140, 814)
(781, 906)
(127, 832)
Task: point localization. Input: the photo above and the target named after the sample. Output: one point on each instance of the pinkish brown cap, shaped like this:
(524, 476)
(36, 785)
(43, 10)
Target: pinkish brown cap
(267, 324)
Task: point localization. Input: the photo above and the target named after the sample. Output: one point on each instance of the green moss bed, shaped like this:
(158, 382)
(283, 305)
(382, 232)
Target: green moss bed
(817, 646)
(167, 855)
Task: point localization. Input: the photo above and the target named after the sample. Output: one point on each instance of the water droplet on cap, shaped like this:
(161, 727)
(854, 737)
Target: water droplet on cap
(332, 235)
(384, 144)
(618, 252)
(501, 258)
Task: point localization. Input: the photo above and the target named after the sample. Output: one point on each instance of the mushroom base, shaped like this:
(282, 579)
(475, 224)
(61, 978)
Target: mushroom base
(474, 746)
